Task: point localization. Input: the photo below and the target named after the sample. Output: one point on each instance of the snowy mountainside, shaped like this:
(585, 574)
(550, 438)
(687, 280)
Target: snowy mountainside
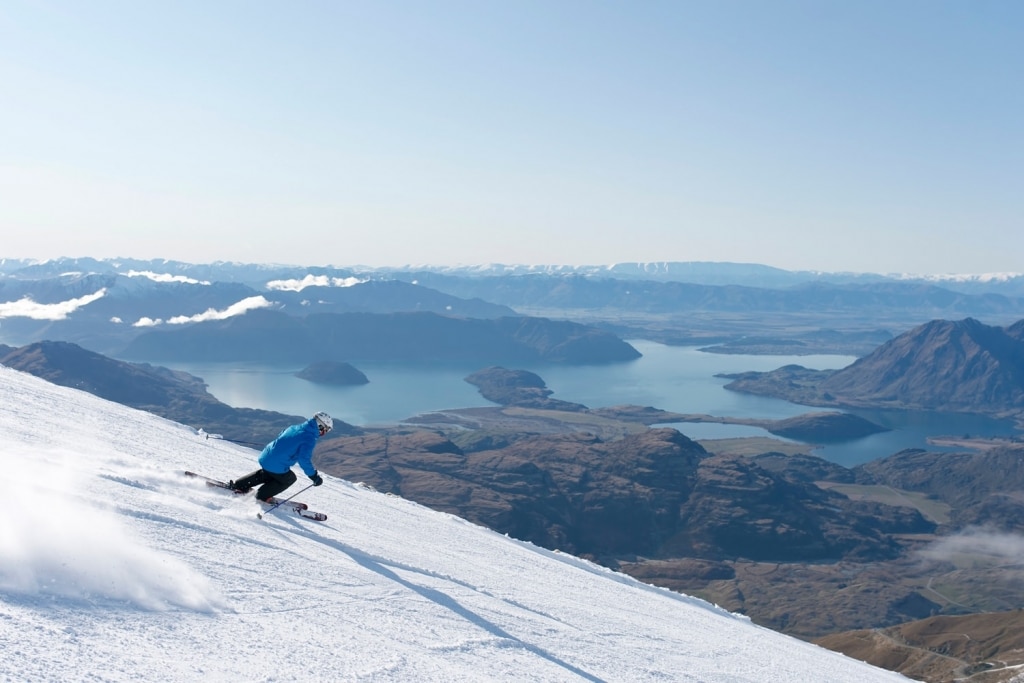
(114, 567)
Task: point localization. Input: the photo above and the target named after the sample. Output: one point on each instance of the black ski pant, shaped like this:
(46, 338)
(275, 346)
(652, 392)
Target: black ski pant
(272, 482)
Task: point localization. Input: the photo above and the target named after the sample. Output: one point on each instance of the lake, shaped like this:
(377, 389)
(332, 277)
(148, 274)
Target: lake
(674, 378)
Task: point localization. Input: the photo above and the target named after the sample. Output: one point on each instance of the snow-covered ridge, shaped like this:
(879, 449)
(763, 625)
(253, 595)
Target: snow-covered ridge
(668, 268)
(961, 277)
(115, 567)
(285, 277)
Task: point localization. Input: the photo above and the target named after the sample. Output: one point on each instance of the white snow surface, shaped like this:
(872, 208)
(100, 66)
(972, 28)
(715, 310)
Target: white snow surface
(116, 567)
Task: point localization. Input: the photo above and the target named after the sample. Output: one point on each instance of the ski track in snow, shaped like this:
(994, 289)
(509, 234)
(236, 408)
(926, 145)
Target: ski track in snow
(115, 567)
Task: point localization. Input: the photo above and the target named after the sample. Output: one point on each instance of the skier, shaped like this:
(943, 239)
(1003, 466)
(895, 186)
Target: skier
(293, 445)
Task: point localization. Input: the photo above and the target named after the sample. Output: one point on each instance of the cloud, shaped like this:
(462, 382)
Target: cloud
(978, 542)
(313, 281)
(164, 277)
(231, 311)
(27, 308)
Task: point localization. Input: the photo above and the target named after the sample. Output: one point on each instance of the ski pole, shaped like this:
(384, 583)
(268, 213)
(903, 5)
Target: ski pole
(280, 503)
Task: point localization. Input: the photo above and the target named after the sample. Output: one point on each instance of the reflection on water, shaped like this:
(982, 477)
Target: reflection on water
(673, 378)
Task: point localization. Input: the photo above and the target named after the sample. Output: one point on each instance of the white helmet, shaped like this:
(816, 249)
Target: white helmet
(325, 421)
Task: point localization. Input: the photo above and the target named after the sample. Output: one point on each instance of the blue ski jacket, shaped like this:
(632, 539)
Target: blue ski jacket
(293, 445)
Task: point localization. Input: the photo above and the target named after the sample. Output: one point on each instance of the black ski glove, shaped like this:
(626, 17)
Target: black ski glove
(317, 479)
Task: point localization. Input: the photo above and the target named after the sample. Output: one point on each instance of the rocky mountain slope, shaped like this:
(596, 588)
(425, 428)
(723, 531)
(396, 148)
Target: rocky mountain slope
(655, 493)
(963, 366)
(983, 487)
(942, 365)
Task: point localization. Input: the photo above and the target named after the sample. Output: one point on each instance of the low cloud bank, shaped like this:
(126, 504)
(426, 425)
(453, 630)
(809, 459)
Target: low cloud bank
(243, 306)
(27, 308)
(313, 281)
(978, 542)
(165, 277)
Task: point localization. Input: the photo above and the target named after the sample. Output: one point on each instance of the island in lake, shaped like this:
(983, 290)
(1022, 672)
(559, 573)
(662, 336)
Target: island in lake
(334, 373)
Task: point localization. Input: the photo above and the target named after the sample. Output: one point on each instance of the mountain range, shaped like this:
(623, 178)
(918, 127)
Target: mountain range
(697, 272)
(276, 337)
(579, 292)
(104, 304)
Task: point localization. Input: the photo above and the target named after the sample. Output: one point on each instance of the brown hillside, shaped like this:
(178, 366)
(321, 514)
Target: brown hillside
(942, 365)
(982, 648)
(982, 487)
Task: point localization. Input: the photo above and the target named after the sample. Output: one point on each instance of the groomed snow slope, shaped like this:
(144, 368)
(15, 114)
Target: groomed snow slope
(115, 567)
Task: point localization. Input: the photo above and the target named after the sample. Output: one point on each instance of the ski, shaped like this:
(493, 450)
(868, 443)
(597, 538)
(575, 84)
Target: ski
(300, 511)
(298, 508)
(289, 503)
(211, 482)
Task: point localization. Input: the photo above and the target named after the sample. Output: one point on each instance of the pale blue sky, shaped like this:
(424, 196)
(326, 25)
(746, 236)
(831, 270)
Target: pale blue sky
(881, 136)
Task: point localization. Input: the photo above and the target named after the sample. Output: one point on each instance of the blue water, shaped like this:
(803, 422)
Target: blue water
(674, 378)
